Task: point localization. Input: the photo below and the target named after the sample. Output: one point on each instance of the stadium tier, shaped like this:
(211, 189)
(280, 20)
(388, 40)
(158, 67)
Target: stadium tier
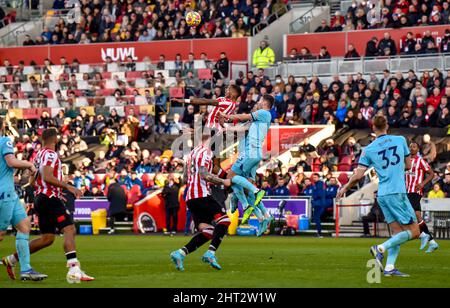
(213, 118)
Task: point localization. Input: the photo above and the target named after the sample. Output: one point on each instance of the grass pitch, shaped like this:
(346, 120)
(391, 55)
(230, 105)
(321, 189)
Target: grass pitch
(270, 261)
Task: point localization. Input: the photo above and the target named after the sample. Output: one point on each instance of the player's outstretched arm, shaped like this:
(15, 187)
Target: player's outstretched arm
(238, 128)
(237, 117)
(13, 162)
(213, 178)
(49, 178)
(197, 101)
(356, 177)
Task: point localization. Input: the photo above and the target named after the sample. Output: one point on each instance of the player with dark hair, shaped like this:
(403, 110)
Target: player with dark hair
(415, 182)
(210, 218)
(390, 156)
(223, 105)
(50, 209)
(12, 212)
(248, 161)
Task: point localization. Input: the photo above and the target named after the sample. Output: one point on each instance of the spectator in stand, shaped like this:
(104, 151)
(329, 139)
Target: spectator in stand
(331, 192)
(323, 54)
(387, 43)
(266, 186)
(305, 54)
(351, 52)
(324, 27)
(428, 149)
(372, 49)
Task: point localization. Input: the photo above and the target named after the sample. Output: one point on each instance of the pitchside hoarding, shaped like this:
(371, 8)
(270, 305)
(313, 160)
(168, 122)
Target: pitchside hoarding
(235, 48)
(294, 206)
(84, 208)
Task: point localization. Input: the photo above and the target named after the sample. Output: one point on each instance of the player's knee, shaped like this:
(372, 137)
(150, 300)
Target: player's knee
(69, 230)
(208, 232)
(47, 240)
(223, 220)
(415, 231)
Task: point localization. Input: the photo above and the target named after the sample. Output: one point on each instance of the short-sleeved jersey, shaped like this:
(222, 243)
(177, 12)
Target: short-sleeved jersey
(387, 155)
(197, 187)
(416, 174)
(6, 172)
(47, 157)
(259, 128)
(225, 106)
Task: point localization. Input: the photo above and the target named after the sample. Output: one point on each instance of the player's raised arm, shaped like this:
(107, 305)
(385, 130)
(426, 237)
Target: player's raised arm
(237, 117)
(197, 101)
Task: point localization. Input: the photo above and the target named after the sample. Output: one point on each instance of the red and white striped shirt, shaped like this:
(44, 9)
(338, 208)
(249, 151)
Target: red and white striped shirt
(47, 157)
(416, 174)
(196, 186)
(225, 106)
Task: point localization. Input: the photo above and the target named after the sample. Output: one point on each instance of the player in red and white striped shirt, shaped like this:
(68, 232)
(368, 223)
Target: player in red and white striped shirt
(209, 216)
(225, 105)
(415, 182)
(53, 216)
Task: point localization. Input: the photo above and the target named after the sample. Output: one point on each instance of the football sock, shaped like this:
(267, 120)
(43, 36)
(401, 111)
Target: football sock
(219, 232)
(398, 239)
(239, 192)
(424, 228)
(198, 240)
(263, 210)
(23, 251)
(243, 182)
(392, 257)
(71, 257)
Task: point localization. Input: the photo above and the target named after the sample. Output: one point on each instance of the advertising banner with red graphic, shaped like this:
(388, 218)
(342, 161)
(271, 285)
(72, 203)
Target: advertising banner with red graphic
(337, 42)
(235, 48)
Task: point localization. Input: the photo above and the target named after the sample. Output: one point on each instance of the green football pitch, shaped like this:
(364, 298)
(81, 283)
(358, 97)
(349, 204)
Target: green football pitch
(271, 261)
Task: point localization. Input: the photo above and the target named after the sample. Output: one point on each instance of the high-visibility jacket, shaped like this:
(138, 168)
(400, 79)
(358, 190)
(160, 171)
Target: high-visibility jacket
(263, 58)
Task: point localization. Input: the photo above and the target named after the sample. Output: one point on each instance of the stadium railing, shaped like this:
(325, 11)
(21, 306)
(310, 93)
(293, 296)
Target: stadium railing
(334, 66)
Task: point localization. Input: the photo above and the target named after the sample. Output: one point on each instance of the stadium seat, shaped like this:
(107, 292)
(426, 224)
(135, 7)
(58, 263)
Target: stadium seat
(111, 84)
(204, 73)
(199, 64)
(110, 101)
(81, 102)
(346, 160)
(146, 180)
(24, 104)
(344, 167)
(141, 66)
(54, 86)
(53, 103)
(169, 65)
(83, 85)
(112, 67)
(343, 178)
(134, 194)
(85, 68)
(176, 92)
(140, 100)
(133, 75)
(140, 83)
(28, 70)
(106, 75)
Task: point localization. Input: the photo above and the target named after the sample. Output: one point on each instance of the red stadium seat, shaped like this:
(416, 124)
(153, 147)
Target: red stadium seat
(48, 94)
(107, 92)
(134, 194)
(343, 178)
(176, 92)
(344, 167)
(346, 160)
(100, 178)
(204, 73)
(133, 75)
(106, 75)
(146, 180)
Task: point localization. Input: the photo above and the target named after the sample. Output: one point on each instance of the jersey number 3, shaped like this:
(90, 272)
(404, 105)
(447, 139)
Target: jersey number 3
(392, 160)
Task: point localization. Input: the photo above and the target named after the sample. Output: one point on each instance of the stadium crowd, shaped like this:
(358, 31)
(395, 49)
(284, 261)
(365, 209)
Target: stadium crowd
(142, 20)
(381, 48)
(408, 101)
(388, 14)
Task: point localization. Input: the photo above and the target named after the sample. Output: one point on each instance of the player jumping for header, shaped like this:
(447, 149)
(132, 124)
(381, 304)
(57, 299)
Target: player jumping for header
(390, 156)
(248, 161)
